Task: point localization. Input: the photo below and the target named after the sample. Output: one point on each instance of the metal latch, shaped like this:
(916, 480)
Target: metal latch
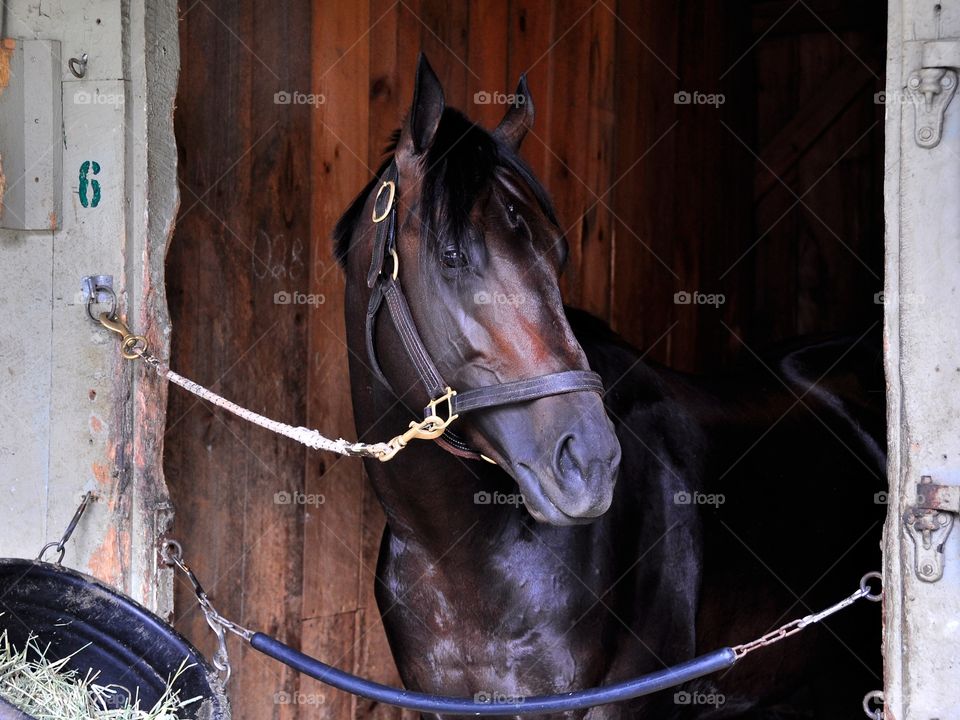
(932, 87)
(929, 523)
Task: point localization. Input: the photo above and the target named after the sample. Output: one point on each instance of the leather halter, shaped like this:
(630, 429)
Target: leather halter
(386, 286)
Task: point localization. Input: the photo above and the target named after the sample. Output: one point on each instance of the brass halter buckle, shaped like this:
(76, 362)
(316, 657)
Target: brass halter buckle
(430, 428)
(447, 398)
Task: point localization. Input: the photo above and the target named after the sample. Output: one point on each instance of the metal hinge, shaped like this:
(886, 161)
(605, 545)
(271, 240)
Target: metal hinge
(929, 523)
(932, 87)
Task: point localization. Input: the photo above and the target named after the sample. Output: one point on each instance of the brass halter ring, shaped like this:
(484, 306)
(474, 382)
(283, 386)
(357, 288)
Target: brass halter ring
(396, 264)
(392, 187)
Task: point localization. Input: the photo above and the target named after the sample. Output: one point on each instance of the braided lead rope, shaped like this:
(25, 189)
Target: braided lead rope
(310, 438)
(134, 347)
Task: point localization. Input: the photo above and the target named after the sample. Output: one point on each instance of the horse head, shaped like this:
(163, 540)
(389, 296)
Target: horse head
(479, 252)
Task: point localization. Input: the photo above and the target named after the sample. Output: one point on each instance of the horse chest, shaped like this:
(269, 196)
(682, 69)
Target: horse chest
(474, 629)
(503, 648)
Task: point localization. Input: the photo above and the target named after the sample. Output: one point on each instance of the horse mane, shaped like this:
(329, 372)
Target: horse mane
(462, 161)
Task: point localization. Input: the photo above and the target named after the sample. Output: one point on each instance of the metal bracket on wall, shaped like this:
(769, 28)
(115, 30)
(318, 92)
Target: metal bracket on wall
(90, 282)
(932, 87)
(928, 523)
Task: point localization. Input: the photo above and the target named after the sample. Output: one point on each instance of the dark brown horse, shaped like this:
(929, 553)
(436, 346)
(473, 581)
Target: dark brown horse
(738, 502)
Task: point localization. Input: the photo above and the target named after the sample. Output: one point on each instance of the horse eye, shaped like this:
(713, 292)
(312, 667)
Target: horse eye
(512, 215)
(453, 258)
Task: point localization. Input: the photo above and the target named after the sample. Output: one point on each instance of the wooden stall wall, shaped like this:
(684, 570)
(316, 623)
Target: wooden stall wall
(765, 187)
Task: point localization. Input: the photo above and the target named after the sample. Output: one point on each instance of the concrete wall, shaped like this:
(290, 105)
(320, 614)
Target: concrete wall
(74, 416)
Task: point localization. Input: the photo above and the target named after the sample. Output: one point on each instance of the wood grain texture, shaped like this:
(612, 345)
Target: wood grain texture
(331, 571)
(530, 38)
(239, 241)
(657, 198)
(647, 190)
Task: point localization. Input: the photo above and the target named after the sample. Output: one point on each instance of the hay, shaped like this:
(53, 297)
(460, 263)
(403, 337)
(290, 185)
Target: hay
(48, 690)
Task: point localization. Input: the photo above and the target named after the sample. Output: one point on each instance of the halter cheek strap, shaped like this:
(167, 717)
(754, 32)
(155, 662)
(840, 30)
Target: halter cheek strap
(446, 404)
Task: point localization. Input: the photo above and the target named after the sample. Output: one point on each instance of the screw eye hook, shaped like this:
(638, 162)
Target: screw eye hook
(867, 584)
(78, 66)
(873, 705)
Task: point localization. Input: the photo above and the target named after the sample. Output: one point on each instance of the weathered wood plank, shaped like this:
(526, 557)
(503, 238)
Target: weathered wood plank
(339, 157)
(239, 241)
(488, 56)
(832, 96)
(530, 37)
(340, 151)
(596, 235)
(569, 120)
(443, 37)
(646, 192)
(838, 253)
(386, 110)
(776, 18)
(333, 638)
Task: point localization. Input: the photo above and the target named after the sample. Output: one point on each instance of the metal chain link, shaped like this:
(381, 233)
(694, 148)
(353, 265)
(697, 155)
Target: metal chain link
(795, 626)
(172, 554)
(60, 545)
(876, 697)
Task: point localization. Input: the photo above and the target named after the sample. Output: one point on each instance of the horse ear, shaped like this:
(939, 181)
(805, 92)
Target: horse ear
(427, 108)
(518, 118)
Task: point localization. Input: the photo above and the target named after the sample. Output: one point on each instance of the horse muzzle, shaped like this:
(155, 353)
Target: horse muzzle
(565, 456)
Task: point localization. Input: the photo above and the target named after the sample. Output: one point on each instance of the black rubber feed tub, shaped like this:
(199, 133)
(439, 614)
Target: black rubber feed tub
(128, 644)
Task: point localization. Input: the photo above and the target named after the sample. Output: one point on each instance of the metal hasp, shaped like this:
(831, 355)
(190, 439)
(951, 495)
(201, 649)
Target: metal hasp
(932, 87)
(929, 523)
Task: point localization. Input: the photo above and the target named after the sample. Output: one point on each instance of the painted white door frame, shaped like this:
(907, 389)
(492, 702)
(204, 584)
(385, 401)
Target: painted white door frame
(922, 338)
(74, 416)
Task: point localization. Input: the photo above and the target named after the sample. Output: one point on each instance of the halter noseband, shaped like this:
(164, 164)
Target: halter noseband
(386, 286)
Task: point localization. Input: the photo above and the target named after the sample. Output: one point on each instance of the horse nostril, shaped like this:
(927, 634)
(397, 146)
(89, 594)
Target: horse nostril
(564, 455)
(581, 463)
(583, 477)
(567, 462)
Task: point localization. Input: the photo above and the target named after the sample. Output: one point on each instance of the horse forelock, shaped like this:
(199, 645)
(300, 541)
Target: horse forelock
(463, 161)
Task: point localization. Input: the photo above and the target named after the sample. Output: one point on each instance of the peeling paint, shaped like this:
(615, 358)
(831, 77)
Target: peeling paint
(7, 46)
(101, 474)
(105, 562)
